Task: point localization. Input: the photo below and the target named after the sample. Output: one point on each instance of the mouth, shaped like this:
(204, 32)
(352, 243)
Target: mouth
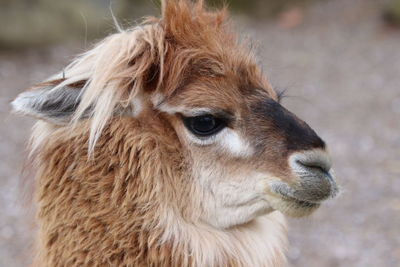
(304, 197)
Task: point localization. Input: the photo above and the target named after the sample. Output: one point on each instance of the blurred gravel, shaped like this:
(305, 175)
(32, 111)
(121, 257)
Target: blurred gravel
(341, 67)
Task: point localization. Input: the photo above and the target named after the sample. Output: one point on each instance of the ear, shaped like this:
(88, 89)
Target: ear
(107, 80)
(50, 102)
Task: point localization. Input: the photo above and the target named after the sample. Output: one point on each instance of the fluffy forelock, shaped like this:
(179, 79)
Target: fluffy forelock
(155, 56)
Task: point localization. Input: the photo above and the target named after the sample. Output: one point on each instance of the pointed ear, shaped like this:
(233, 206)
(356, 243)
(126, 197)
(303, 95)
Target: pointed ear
(50, 102)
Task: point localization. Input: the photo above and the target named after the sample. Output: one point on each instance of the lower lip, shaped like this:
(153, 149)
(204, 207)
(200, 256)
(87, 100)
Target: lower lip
(305, 204)
(302, 203)
(290, 206)
(280, 191)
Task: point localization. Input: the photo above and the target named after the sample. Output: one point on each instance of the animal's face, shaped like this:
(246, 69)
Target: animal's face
(247, 154)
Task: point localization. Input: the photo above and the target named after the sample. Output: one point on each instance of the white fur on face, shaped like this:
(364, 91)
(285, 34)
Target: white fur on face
(236, 145)
(230, 200)
(236, 221)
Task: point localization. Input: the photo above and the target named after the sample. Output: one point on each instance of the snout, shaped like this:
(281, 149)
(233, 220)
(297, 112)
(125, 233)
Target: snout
(314, 178)
(308, 176)
(313, 181)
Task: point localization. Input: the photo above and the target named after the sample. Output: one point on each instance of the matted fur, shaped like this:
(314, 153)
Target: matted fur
(122, 181)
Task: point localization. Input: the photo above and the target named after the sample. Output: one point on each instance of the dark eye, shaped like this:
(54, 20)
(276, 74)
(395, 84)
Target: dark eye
(204, 125)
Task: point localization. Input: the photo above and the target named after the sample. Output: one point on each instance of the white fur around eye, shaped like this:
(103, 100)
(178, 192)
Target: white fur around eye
(227, 139)
(235, 144)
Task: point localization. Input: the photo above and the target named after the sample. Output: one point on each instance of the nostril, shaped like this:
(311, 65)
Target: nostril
(313, 166)
(317, 160)
(321, 166)
(314, 179)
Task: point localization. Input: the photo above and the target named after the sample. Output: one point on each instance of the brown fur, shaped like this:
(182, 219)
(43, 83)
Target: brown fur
(104, 212)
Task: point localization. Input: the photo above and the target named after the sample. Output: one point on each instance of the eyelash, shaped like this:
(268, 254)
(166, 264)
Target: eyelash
(281, 93)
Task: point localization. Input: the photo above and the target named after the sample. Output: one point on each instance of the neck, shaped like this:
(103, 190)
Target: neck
(261, 242)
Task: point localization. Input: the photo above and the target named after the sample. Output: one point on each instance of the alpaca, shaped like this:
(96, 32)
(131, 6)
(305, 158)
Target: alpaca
(164, 145)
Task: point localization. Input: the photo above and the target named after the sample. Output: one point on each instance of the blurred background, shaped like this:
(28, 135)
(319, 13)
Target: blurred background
(339, 62)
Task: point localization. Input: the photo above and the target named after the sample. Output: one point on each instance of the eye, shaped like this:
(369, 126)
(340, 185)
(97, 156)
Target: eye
(204, 125)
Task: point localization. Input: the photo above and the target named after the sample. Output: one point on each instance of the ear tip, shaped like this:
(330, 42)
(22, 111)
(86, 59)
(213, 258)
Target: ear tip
(21, 103)
(17, 104)
(54, 106)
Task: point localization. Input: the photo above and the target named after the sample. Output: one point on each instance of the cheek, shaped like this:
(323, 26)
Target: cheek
(222, 172)
(232, 198)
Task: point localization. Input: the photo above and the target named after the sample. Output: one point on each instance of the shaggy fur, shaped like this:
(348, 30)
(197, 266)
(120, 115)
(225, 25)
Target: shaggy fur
(113, 210)
(122, 181)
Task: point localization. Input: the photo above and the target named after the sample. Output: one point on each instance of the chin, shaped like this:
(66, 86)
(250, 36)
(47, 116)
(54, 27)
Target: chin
(292, 207)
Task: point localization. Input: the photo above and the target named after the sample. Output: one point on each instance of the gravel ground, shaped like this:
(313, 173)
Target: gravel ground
(342, 71)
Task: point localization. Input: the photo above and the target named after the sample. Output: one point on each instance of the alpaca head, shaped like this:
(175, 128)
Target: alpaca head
(246, 154)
